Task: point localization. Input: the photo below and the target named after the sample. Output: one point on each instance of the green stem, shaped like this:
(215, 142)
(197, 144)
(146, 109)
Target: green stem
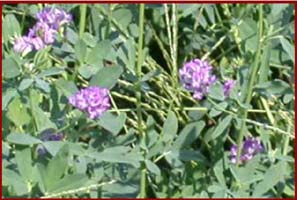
(250, 84)
(139, 65)
(33, 112)
(82, 20)
(286, 142)
(175, 45)
(108, 27)
(138, 95)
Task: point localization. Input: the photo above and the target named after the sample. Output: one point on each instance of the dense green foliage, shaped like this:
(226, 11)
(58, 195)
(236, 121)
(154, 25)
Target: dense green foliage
(157, 140)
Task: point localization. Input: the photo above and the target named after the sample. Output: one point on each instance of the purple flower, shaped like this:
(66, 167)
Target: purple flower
(22, 45)
(53, 17)
(92, 100)
(228, 86)
(250, 148)
(44, 32)
(196, 76)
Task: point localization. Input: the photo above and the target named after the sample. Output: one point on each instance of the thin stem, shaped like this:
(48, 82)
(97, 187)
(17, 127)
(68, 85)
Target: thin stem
(33, 112)
(174, 53)
(250, 84)
(156, 109)
(138, 96)
(268, 111)
(168, 29)
(139, 65)
(74, 191)
(82, 20)
(108, 27)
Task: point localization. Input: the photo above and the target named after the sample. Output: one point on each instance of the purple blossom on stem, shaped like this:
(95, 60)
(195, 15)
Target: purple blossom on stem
(196, 76)
(250, 148)
(44, 32)
(92, 100)
(54, 17)
(228, 86)
(22, 45)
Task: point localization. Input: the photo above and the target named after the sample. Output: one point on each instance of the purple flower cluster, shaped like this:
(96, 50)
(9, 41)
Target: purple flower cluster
(196, 76)
(93, 100)
(48, 135)
(44, 32)
(250, 148)
(228, 86)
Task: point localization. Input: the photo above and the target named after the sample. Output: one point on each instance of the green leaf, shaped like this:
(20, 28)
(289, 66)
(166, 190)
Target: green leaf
(25, 83)
(87, 71)
(278, 8)
(210, 13)
(219, 172)
(248, 33)
(7, 97)
(170, 127)
(247, 174)
(24, 161)
(271, 177)
(152, 167)
(188, 135)
(22, 138)
(274, 87)
(42, 59)
(50, 72)
(112, 123)
(43, 85)
(71, 35)
(174, 157)
(80, 49)
(215, 188)
(120, 189)
(215, 111)
(222, 126)
(189, 155)
(10, 28)
(41, 176)
(10, 178)
(53, 147)
(68, 88)
(98, 53)
(289, 48)
(56, 168)
(41, 118)
(69, 182)
(107, 77)
(18, 113)
(188, 9)
(89, 39)
(288, 98)
(216, 92)
(133, 30)
(123, 17)
(10, 68)
(114, 155)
